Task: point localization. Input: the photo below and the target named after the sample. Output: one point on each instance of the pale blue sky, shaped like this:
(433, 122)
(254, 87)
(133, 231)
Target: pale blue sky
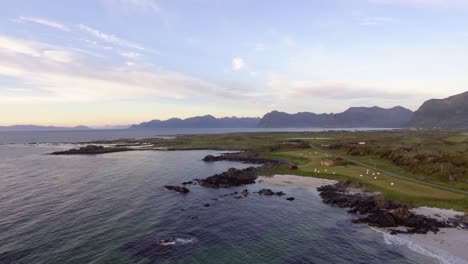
(126, 61)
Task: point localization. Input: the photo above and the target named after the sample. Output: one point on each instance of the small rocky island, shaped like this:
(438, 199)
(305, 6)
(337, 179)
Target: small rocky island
(91, 150)
(229, 178)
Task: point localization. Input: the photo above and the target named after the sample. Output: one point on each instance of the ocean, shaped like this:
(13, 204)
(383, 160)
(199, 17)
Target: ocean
(113, 208)
(28, 137)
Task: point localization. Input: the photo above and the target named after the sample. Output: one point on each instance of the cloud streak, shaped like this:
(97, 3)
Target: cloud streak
(110, 38)
(44, 22)
(143, 5)
(61, 75)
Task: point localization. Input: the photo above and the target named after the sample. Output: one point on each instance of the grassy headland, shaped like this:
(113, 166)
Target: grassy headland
(432, 166)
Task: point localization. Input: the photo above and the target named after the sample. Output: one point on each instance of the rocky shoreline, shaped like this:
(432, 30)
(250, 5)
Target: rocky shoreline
(375, 210)
(380, 212)
(244, 157)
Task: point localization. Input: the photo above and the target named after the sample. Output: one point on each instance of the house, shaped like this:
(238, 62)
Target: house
(326, 162)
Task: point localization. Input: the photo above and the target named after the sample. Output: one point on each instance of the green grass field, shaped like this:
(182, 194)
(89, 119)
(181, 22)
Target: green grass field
(296, 148)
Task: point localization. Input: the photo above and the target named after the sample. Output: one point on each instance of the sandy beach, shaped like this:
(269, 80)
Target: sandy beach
(293, 180)
(449, 245)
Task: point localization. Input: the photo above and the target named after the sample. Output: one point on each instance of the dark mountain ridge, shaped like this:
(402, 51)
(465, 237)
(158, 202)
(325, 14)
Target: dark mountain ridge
(207, 121)
(448, 113)
(371, 117)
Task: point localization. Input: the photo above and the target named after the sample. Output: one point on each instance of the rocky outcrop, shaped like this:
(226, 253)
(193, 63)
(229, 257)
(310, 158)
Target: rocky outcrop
(379, 212)
(91, 150)
(178, 189)
(244, 157)
(232, 177)
(269, 192)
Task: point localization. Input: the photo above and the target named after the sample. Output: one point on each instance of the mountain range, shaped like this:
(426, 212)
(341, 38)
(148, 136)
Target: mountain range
(448, 113)
(206, 121)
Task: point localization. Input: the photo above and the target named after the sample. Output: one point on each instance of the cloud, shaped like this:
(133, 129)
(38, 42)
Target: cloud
(109, 38)
(36, 67)
(237, 63)
(130, 55)
(287, 89)
(15, 46)
(58, 55)
(144, 5)
(44, 22)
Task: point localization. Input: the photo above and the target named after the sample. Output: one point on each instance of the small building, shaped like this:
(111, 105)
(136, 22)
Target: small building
(327, 163)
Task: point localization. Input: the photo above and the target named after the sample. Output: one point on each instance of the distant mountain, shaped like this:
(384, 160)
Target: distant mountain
(449, 113)
(371, 117)
(206, 121)
(39, 128)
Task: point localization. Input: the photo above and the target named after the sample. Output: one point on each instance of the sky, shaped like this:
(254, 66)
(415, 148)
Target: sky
(116, 62)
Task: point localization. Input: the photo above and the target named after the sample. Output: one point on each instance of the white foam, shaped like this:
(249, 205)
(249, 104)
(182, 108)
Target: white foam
(184, 241)
(441, 256)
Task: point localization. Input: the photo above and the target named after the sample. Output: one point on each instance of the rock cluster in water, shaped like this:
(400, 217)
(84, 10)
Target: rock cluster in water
(380, 213)
(229, 178)
(269, 192)
(178, 189)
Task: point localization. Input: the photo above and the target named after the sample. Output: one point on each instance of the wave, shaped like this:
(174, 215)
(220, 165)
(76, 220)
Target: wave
(441, 256)
(177, 241)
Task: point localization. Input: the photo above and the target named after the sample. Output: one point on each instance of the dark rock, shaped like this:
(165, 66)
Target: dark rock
(290, 198)
(188, 182)
(266, 192)
(232, 177)
(245, 192)
(177, 189)
(380, 212)
(269, 192)
(91, 150)
(207, 205)
(250, 157)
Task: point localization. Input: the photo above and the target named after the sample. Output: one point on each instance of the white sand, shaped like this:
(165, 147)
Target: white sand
(449, 245)
(293, 180)
(436, 213)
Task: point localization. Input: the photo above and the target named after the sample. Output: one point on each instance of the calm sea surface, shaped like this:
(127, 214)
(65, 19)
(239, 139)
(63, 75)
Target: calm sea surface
(9, 137)
(113, 208)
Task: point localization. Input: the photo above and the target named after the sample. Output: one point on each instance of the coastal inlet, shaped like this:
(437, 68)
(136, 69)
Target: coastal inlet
(113, 208)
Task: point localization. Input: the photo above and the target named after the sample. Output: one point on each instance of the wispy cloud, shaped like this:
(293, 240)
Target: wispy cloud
(131, 55)
(143, 5)
(110, 38)
(287, 89)
(44, 22)
(237, 63)
(38, 68)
